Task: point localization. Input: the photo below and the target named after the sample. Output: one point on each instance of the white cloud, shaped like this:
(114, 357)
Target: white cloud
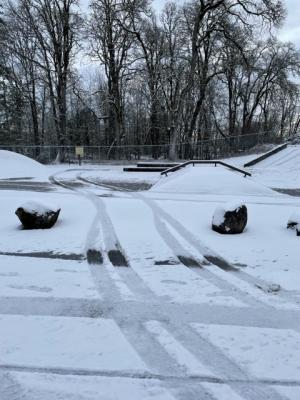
(291, 28)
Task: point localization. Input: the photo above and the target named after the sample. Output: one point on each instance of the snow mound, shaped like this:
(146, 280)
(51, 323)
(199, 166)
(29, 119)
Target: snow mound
(210, 180)
(14, 165)
(38, 207)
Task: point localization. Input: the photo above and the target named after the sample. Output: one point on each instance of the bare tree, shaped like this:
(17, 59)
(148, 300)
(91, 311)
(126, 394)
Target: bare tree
(53, 27)
(196, 71)
(212, 13)
(110, 45)
(22, 52)
(141, 22)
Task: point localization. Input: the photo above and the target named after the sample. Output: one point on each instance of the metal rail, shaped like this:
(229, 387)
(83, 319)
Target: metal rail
(266, 155)
(215, 162)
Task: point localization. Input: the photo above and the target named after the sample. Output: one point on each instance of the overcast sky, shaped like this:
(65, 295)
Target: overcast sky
(291, 28)
(289, 32)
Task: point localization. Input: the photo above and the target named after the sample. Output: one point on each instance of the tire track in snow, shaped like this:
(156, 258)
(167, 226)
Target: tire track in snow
(111, 243)
(243, 285)
(237, 287)
(253, 393)
(287, 295)
(10, 388)
(194, 259)
(225, 368)
(197, 260)
(226, 277)
(185, 358)
(101, 235)
(102, 185)
(148, 375)
(101, 221)
(177, 348)
(184, 256)
(207, 253)
(221, 279)
(154, 357)
(128, 282)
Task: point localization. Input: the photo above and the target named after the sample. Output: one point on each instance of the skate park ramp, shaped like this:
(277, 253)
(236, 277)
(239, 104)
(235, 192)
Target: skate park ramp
(281, 170)
(210, 180)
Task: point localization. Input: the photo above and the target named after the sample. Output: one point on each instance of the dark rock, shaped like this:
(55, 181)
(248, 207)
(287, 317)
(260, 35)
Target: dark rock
(292, 225)
(294, 222)
(32, 219)
(230, 220)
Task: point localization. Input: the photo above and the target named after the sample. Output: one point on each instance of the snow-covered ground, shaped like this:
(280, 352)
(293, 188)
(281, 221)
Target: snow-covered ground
(17, 166)
(281, 170)
(186, 314)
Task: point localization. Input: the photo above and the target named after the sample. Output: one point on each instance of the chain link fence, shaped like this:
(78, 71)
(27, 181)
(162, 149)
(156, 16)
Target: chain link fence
(203, 150)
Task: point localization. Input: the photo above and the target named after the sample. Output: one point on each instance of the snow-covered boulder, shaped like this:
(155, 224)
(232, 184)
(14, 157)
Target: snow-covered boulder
(294, 222)
(36, 215)
(230, 218)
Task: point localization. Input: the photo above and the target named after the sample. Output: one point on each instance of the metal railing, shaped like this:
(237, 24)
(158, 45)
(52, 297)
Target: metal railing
(215, 162)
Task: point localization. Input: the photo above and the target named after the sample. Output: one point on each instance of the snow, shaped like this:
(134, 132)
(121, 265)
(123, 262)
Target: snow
(294, 218)
(68, 236)
(233, 205)
(221, 391)
(218, 216)
(144, 247)
(255, 290)
(38, 207)
(14, 165)
(184, 358)
(265, 353)
(282, 170)
(240, 161)
(220, 211)
(69, 343)
(289, 392)
(158, 328)
(267, 248)
(210, 180)
(115, 173)
(34, 277)
(58, 387)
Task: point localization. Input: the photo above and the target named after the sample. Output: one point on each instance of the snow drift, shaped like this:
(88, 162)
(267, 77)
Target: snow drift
(14, 165)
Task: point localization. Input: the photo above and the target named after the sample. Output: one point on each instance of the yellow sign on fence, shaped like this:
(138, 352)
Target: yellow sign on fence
(79, 151)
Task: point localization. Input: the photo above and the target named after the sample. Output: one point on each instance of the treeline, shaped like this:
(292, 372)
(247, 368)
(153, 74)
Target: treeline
(204, 69)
